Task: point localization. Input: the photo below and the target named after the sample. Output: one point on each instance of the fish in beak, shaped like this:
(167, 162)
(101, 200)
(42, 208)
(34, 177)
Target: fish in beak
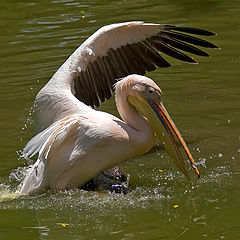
(166, 131)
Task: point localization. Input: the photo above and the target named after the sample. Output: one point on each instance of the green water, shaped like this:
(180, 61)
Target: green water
(37, 36)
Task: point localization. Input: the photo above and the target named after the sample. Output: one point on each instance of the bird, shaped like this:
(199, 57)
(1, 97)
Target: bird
(74, 141)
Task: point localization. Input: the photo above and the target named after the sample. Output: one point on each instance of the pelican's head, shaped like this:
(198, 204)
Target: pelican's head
(145, 96)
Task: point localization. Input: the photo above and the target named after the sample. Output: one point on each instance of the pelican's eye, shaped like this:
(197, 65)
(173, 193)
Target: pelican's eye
(150, 90)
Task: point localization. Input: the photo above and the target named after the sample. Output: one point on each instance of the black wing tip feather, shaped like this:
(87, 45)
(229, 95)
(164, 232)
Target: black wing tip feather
(192, 30)
(161, 46)
(188, 39)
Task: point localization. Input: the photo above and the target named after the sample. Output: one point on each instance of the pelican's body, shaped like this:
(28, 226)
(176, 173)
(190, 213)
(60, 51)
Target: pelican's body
(75, 142)
(86, 143)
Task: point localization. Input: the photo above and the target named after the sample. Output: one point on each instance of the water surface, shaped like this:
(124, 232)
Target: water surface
(37, 37)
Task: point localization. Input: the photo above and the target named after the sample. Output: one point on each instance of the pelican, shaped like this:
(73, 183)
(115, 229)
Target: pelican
(74, 142)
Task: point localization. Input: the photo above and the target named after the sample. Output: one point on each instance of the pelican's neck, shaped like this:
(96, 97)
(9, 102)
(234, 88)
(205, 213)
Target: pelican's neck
(141, 135)
(128, 113)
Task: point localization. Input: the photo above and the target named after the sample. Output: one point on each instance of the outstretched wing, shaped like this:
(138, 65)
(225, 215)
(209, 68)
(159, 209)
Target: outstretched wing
(117, 50)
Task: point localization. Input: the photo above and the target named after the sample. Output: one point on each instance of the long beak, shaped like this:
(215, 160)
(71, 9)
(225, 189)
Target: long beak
(166, 131)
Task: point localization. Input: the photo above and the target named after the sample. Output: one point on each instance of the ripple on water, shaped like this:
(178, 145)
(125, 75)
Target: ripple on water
(166, 189)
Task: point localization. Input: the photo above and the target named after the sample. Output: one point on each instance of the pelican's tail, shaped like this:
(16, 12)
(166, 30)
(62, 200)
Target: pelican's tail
(41, 144)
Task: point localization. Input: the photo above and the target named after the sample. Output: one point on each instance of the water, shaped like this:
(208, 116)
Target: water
(203, 100)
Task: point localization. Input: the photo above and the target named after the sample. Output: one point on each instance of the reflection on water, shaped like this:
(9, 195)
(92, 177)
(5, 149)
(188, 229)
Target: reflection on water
(204, 101)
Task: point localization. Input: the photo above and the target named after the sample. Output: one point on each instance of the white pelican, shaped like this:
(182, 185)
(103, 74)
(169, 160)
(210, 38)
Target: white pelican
(75, 142)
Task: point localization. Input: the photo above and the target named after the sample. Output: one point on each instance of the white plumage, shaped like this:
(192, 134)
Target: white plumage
(74, 141)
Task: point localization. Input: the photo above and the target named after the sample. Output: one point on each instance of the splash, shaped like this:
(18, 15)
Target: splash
(201, 162)
(10, 189)
(6, 194)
